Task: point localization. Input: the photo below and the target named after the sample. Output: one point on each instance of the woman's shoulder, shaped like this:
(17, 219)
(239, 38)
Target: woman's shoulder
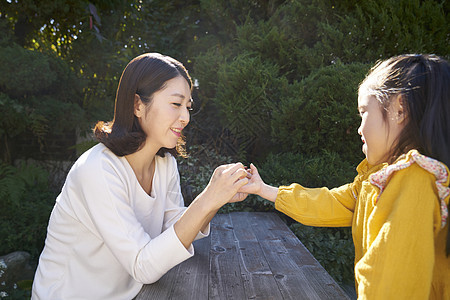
(95, 160)
(92, 155)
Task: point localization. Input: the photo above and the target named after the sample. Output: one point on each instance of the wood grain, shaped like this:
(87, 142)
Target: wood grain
(248, 255)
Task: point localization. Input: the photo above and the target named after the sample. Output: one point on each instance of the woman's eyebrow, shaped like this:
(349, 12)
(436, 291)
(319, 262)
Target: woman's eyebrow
(178, 95)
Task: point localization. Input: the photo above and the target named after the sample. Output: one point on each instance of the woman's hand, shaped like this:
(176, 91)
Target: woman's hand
(238, 197)
(222, 188)
(225, 183)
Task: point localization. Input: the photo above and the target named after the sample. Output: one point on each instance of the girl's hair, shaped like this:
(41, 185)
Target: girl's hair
(144, 75)
(423, 83)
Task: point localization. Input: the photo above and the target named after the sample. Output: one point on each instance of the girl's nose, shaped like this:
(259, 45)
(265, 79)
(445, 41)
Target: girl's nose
(360, 130)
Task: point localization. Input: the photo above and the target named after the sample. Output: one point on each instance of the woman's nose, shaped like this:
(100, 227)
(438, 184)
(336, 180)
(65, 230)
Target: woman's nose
(360, 130)
(184, 117)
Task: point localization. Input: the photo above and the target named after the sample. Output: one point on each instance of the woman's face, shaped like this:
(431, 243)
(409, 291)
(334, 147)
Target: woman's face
(167, 114)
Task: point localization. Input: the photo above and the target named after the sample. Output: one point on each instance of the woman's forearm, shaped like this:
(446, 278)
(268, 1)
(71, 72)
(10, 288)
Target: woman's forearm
(222, 188)
(201, 211)
(195, 219)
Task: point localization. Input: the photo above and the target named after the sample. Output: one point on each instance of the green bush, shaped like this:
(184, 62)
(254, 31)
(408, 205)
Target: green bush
(26, 203)
(332, 247)
(16, 294)
(295, 67)
(389, 28)
(41, 97)
(246, 95)
(324, 169)
(32, 71)
(205, 111)
(322, 113)
(13, 122)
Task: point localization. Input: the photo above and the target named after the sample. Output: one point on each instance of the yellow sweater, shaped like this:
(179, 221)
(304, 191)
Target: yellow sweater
(396, 226)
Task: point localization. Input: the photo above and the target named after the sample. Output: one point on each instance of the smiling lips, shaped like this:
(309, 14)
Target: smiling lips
(176, 131)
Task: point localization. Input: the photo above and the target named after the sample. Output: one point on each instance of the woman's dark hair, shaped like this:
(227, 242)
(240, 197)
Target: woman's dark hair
(423, 82)
(144, 75)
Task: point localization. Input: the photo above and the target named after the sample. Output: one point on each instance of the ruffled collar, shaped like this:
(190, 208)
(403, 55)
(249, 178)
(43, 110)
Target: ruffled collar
(435, 167)
(365, 169)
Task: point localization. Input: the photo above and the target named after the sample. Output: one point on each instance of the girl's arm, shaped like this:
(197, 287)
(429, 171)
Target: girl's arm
(222, 188)
(314, 207)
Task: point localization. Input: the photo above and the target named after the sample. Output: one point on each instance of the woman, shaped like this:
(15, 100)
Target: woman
(120, 221)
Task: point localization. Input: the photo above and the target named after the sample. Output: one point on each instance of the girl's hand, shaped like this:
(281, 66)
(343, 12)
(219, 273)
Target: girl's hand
(255, 183)
(225, 183)
(257, 186)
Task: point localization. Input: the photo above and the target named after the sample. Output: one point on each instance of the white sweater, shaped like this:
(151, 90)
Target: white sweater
(106, 236)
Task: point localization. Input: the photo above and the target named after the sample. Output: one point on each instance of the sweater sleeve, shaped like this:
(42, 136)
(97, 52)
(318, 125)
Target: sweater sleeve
(175, 202)
(317, 206)
(399, 260)
(104, 195)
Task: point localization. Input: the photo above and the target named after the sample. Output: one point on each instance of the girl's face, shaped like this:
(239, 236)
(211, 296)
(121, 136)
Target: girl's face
(167, 114)
(379, 135)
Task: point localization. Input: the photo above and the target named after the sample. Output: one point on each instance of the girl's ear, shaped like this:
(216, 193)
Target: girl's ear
(398, 107)
(138, 106)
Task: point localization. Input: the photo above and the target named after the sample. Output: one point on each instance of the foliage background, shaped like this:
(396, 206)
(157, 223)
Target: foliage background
(277, 86)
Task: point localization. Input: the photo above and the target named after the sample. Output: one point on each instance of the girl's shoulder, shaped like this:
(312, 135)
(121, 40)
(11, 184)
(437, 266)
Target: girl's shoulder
(421, 164)
(418, 167)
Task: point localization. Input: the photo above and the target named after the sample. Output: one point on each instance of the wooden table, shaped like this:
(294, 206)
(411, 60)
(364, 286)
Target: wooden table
(248, 255)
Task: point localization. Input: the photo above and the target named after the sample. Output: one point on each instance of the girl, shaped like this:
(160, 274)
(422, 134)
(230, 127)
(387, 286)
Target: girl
(398, 203)
(119, 221)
